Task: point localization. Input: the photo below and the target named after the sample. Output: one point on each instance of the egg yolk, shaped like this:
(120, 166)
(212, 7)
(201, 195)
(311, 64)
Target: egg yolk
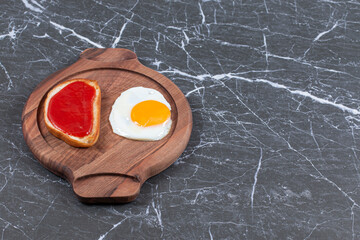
(150, 112)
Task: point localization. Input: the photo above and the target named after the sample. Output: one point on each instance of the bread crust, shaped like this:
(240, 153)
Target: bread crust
(88, 140)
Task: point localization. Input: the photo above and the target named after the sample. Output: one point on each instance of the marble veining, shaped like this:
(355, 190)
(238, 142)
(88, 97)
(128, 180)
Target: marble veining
(274, 90)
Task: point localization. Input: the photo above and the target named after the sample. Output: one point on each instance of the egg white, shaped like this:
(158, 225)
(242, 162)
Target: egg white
(120, 116)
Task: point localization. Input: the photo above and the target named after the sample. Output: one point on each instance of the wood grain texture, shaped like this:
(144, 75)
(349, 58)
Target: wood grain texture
(114, 169)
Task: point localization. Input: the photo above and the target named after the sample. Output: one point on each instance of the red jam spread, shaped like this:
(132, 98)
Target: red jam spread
(71, 109)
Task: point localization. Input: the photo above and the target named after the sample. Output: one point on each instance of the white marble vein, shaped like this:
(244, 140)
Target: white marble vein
(121, 32)
(272, 84)
(10, 82)
(202, 14)
(103, 236)
(255, 179)
(325, 32)
(28, 5)
(61, 28)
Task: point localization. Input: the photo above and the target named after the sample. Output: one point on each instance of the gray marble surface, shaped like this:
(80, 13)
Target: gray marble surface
(274, 90)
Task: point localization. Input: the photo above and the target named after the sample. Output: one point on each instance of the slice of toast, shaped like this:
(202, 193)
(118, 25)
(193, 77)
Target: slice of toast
(66, 107)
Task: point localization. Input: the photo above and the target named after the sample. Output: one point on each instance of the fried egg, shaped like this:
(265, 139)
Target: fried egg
(142, 114)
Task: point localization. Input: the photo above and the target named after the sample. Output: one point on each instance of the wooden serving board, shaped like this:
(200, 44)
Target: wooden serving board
(113, 169)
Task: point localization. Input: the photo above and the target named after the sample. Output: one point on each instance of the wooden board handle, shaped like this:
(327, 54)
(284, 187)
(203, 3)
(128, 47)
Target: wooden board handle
(106, 187)
(110, 55)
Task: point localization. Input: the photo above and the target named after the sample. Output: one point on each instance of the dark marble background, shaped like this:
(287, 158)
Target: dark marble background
(274, 90)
